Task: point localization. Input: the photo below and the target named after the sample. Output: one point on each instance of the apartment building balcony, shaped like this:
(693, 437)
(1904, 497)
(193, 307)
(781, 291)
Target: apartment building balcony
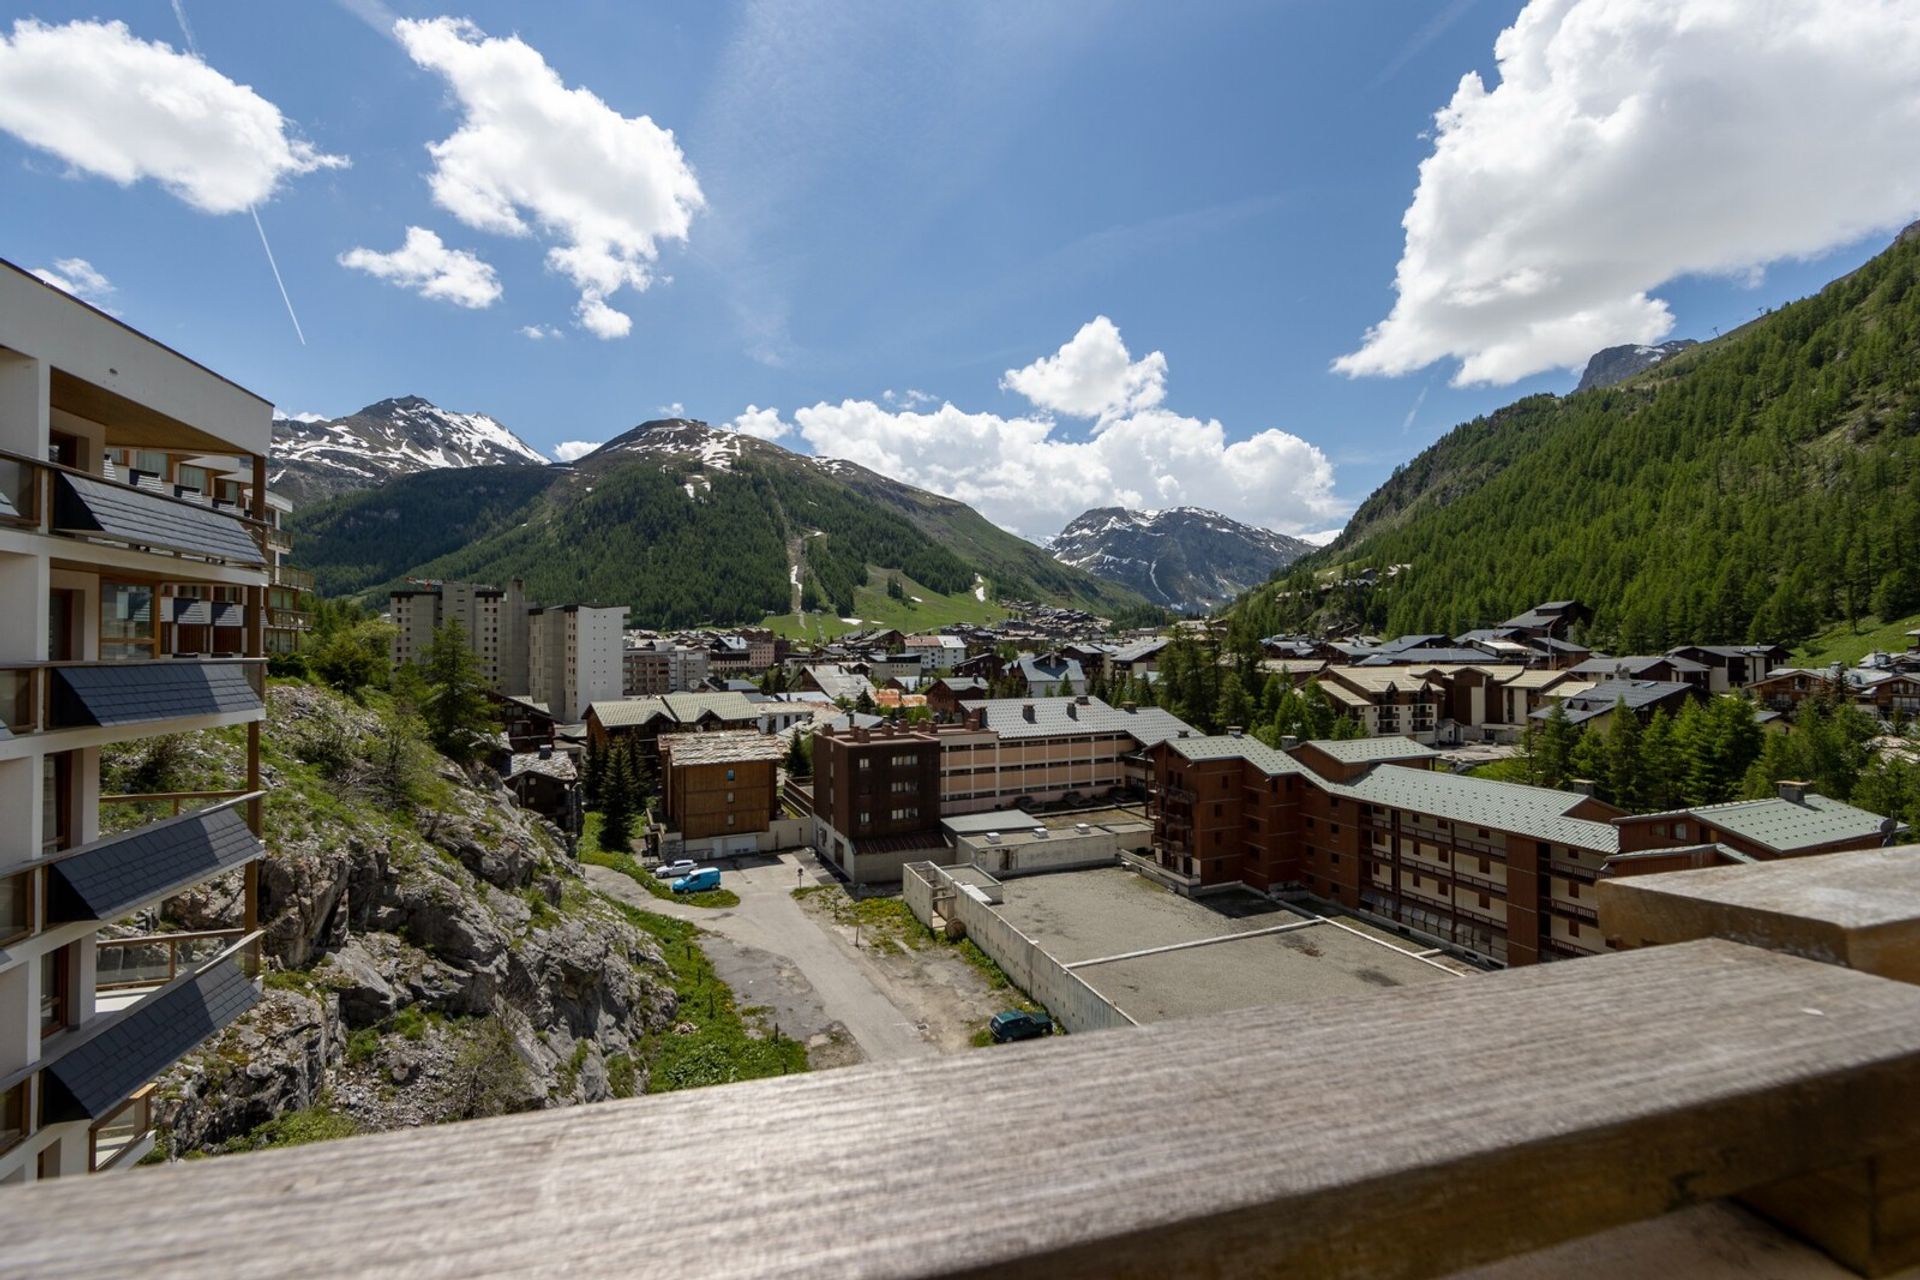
(131, 525)
(131, 697)
(285, 575)
(1581, 911)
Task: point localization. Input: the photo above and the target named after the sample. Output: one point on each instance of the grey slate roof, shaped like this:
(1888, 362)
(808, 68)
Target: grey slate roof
(83, 505)
(1538, 812)
(186, 611)
(1602, 697)
(1054, 672)
(90, 1080)
(1786, 827)
(1373, 750)
(1228, 747)
(1634, 664)
(1060, 717)
(132, 692)
(117, 875)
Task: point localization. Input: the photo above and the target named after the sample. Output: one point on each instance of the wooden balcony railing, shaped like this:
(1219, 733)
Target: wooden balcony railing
(153, 959)
(1579, 1097)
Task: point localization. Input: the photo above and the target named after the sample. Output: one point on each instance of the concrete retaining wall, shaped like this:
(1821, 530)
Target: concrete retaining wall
(1073, 1004)
(916, 886)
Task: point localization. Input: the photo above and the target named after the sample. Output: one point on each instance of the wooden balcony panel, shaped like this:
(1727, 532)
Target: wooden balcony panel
(1583, 1096)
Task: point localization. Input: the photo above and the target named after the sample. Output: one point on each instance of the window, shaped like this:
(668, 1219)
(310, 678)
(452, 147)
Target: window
(13, 1115)
(126, 620)
(729, 819)
(729, 801)
(865, 763)
(1680, 830)
(16, 907)
(56, 802)
(54, 987)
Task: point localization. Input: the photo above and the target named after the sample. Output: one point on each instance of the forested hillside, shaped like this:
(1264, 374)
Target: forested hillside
(1756, 487)
(682, 524)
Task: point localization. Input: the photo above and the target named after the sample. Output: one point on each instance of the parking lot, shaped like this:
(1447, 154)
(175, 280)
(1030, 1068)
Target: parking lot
(1158, 955)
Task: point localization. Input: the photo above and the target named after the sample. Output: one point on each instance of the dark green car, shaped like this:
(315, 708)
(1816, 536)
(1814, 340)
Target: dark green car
(1017, 1024)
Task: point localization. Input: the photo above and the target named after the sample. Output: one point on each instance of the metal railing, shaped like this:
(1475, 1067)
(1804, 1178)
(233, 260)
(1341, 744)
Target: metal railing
(173, 798)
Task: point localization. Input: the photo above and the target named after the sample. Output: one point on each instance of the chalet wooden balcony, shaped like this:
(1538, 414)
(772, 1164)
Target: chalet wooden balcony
(1580, 1097)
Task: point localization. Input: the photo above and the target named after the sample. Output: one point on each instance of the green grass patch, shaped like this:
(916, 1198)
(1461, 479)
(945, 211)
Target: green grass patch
(318, 1123)
(887, 924)
(875, 608)
(1511, 769)
(727, 1043)
(1844, 644)
(616, 860)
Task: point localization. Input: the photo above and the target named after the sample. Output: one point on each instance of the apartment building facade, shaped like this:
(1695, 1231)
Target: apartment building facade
(1496, 871)
(132, 492)
(495, 620)
(657, 667)
(881, 790)
(720, 790)
(574, 657)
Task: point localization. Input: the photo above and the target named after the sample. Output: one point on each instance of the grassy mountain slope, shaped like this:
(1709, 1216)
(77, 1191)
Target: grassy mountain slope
(684, 525)
(1756, 487)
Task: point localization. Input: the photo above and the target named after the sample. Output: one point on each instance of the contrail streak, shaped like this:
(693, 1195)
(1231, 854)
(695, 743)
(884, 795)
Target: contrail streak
(193, 47)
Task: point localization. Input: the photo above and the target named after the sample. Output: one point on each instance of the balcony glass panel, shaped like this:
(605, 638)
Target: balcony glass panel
(126, 620)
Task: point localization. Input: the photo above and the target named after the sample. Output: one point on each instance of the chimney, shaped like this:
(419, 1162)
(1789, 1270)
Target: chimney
(1083, 700)
(1026, 712)
(1183, 733)
(1792, 792)
(1234, 731)
(1073, 710)
(546, 751)
(1582, 785)
(1289, 741)
(1129, 707)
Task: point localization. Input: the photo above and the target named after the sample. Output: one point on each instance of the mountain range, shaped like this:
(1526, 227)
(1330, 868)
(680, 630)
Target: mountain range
(1756, 487)
(319, 459)
(1184, 558)
(687, 524)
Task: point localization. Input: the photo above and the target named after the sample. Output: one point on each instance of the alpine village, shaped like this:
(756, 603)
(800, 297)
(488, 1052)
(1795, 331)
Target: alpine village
(800, 845)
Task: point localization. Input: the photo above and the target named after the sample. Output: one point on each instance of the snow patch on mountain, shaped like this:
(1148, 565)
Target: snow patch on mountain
(1186, 558)
(315, 459)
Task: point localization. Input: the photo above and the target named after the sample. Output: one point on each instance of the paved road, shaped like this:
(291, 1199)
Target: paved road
(769, 919)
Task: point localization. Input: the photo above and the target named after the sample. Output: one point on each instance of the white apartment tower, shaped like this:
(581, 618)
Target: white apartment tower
(134, 561)
(576, 657)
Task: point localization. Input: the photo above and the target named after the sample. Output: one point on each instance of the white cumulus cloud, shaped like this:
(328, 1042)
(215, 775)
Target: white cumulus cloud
(1025, 473)
(428, 267)
(1630, 142)
(763, 423)
(568, 450)
(1092, 375)
(78, 277)
(122, 108)
(532, 156)
(540, 332)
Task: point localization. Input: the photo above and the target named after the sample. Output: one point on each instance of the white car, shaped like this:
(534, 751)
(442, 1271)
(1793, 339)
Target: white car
(674, 870)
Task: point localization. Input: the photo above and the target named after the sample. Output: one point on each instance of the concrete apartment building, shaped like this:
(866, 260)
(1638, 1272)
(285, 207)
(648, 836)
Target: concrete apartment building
(720, 790)
(1497, 871)
(494, 618)
(132, 492)
(657, 667)
(880, 793)
(574, 657)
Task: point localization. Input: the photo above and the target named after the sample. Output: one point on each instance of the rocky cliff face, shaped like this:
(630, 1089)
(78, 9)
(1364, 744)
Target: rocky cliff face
(429, 960)
(1616, 363)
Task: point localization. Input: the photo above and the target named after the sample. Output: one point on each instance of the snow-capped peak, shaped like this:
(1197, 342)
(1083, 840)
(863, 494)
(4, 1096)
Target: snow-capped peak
(313, 459)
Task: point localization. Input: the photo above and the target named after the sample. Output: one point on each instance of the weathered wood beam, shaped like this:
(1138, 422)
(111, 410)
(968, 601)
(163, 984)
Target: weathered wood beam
(1407, 1134)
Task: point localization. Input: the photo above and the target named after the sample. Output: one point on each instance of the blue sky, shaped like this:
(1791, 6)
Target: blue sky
(896, 197)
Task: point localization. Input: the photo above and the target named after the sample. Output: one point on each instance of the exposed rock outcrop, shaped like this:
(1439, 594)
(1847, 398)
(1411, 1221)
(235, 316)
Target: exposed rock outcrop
(430, 960)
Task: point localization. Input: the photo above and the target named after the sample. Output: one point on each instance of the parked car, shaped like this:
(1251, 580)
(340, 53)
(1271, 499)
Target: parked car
(674, 870)
(1017, 1024)
(696, 880)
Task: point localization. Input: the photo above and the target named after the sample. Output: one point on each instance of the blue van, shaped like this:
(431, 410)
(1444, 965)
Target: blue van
(697, 879)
